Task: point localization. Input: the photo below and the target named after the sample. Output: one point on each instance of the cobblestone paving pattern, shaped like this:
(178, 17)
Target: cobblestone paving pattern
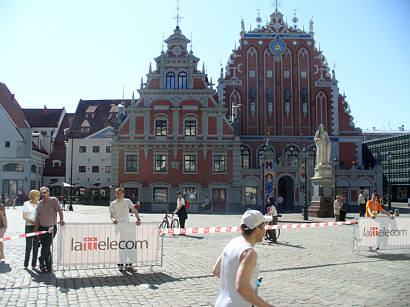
(307, 267)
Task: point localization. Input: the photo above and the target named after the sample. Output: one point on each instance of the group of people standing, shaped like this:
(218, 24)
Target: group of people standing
(39, 215)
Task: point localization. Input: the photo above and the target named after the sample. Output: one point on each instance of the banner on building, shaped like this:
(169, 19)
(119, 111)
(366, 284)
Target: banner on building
(108, 243)
(382, 233)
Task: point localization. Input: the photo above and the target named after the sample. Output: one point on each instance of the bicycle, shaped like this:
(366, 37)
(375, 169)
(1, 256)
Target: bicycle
(169, 222)
(272, 235)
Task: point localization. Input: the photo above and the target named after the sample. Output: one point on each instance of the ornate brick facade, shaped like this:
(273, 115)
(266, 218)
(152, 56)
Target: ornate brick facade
(181, 134)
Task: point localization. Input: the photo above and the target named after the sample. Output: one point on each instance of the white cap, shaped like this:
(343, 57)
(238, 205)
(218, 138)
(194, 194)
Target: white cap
(253, 218)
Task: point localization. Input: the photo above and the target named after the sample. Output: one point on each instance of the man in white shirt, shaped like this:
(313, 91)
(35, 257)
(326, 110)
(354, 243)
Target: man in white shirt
(119, 209)
(238, 266)
(362, 203)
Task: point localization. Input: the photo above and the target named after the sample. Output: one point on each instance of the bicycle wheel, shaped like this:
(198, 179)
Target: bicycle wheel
(163, 225)
(175, 224)
(272, 235)
(277, 233)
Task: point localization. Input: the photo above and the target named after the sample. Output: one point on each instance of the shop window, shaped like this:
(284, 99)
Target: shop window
(160, 195)
(190, 194)
(250, 196)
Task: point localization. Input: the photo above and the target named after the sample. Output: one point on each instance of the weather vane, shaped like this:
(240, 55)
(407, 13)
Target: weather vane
(178, 17)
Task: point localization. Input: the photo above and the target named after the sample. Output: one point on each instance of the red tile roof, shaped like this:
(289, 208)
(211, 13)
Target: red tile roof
(12, 107)
(43, 117)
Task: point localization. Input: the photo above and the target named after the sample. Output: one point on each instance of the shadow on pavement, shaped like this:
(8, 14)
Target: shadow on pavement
(149, 280)
(283, 244)
(316, 266)
(391, 257)
(4, 268)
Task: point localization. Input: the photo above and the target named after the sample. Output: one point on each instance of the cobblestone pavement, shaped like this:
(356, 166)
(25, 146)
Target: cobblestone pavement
(307, 267)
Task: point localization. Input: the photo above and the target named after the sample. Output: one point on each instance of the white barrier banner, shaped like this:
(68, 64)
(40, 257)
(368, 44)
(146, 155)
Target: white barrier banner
(384, 232)
(107, 243)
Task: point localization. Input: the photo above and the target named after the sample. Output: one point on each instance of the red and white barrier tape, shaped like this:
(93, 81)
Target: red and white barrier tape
(24, 235)
(198, 230)
(175, 231)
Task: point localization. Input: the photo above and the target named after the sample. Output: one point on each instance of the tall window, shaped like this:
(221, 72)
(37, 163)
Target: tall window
(189, 163)
(161, 127)
(170, 81)
(131, 163)
(160, 163)
(83, 148)
(96, 169)
(7, 144)
(108, 149)
(160, 195)
(182, 81)
(190, 127)
(108, 169)
(96, 148)
(13, 167)
(33, 168)
(81, 168)
(219, 164)
(245, 157)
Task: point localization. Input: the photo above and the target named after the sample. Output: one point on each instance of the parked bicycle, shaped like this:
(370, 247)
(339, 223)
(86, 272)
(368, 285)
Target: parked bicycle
(169, 222)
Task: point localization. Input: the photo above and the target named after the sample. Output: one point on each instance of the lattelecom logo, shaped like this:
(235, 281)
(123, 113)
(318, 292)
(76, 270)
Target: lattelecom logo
(93, 244)
(374, 231)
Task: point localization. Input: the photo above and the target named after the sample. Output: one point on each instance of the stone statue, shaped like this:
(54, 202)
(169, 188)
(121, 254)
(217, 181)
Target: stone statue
(323, 147)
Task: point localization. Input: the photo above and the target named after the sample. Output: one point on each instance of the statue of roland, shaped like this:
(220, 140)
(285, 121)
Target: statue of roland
(323, 147)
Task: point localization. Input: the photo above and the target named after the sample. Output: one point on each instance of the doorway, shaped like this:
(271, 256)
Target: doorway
(219, 200)
(286, 189)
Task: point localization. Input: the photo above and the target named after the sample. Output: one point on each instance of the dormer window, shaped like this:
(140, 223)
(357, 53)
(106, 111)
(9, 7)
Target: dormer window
(57, 163)
(113, 111)
(170, 81)
(85, 126)
(90, 112)
(182, 81)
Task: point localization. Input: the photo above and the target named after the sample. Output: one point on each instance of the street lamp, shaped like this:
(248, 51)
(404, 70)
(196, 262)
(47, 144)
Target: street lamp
(389, 157)
(305, 207)
(69, 135)
(263, 159)
(335, 161)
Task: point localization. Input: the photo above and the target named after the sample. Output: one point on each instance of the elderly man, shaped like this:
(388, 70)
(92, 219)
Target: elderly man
(238, 266)
(46, 219)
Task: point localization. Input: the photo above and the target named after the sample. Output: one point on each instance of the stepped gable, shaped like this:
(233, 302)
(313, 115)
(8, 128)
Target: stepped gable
(283, 81)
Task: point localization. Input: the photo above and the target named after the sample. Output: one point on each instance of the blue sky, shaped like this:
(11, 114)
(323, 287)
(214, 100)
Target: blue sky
(55, 53)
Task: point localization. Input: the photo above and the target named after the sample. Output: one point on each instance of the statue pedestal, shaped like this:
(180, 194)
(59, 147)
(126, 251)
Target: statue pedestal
(322, 200)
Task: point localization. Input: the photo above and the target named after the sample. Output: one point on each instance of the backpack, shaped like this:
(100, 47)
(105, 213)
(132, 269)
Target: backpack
(186, 204)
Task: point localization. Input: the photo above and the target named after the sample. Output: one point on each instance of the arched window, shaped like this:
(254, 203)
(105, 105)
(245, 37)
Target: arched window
(170, 81)
(33, 168)
(261, 154)
(245, 157)
(13, 167)
(182, 81)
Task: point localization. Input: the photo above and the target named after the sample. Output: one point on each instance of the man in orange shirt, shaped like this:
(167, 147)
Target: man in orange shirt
(373, 206)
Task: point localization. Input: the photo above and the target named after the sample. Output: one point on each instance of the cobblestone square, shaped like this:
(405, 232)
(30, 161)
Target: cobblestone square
(307, 267)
